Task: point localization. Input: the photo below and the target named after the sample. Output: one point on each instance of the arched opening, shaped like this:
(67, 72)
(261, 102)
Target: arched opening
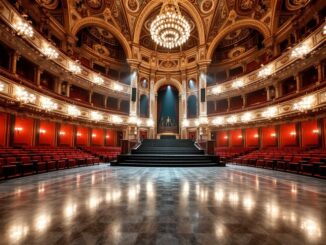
(144, 106)
(192, 106)
(168, 110)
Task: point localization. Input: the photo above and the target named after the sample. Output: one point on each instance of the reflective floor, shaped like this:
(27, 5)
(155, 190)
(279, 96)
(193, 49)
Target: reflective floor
(122, 205)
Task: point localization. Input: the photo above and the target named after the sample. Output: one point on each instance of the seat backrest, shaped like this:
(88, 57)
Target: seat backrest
(10, 160)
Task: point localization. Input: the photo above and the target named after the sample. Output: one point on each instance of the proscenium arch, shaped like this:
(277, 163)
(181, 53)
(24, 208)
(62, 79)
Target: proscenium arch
(192, 11)
(164, 81)
(254, 24)
(92, 21)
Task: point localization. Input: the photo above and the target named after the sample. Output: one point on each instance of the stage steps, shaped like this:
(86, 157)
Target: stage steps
(167, 152)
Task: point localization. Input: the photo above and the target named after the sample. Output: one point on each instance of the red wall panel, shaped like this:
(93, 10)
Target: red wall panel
(3, 129)
(47, 133)
(252, 138)
(111, 138)
(269, 137)
(236, 137)
(82, 136)
(66, 135)
(24, 131)
(310, 133)
(288, 135)
(98, 136)
(222, 138)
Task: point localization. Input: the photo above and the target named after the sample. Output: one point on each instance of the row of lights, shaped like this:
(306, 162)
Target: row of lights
(304, 104)
(24, 29)
(274, 135)
(299, 51)
(48, 104)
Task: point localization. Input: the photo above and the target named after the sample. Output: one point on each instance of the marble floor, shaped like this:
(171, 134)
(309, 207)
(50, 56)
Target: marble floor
(131, 205)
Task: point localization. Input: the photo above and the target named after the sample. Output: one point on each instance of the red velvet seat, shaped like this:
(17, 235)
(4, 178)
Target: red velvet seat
(39, 164)
(27, 165)
(10, 167)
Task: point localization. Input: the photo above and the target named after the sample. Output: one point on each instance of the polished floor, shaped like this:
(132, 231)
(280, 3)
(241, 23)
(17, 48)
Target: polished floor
(122, 205)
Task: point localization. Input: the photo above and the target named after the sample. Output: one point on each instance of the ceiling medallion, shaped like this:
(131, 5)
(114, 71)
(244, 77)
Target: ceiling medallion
(170, 28)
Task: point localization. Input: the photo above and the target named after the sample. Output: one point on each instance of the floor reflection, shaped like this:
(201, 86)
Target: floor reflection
(191, 205)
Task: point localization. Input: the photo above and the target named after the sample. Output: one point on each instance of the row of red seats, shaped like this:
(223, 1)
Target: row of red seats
(229, 153)
(105, 153)
(35, 160)
(302, 161)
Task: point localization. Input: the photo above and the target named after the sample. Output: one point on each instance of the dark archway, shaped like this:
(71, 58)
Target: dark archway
(144, 106)
(168, 110)
(192, 106)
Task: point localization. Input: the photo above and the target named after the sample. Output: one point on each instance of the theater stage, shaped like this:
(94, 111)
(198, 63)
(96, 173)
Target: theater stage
(123, 205)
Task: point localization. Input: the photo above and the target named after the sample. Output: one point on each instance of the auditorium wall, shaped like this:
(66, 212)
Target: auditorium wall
(27, 131)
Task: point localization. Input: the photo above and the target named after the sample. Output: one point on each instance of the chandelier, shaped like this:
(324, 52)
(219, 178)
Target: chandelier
(170, 28)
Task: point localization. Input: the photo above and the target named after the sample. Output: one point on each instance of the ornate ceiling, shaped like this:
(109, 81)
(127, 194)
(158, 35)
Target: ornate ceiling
(216, 23)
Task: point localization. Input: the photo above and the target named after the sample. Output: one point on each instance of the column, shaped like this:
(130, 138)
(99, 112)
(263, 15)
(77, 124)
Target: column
(268, 94)
(119, 104)
(13, 62)
(203, 122)
(106, 101)
(229, 104)
(319, 68)
(183, 105)
(244, 101)
(58, 86)
(68, 89)
(298, 81)
(38, 76)
(90, 95)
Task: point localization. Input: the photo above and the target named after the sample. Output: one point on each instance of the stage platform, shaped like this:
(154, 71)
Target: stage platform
(167, 152)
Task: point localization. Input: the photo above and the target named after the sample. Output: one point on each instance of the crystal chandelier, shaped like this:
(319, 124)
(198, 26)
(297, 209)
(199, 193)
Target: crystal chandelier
(73, 111)
(50, 52)
(23, 29)
(170, 28)
(305, 103)
(98, 80)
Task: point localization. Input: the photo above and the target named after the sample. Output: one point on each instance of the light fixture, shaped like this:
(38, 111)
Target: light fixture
(62, 133)
(185, 123)
(305, 103)
(217, 90)
(117, 87)
(150, 122)
(18, 129)
(42, 131)
(108, 136)
(270, 112)
(256, 136)
(23, 28)
(315, 131)
(79, 134)
(23, 96)
(225, 137)
(293, 133)
(133, 120)
(246, 117)
(273, 135)
(239, 136)
(237, 84)
(98, 80)
(116, 119)
(74, 67)
(218, 121)
(301, 50)
(94, 135)
(47, 104)
(324, 30)
(232, 119)
(170, 28)
(2, 87)
(265, 71)
(73, 111)
(50, 52)
(203, 120)
(96, 116)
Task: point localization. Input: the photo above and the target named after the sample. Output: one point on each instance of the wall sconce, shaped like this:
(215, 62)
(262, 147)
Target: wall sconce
(96, 116)
(293, 133)
(42, 131)
(74, 67)
(238, 84)
(273, 135)
(79, 134)
(98, 80)
(117, 87)
(217, 90)
(240, 137)
(108, 136)
(225, 137)
(94, 135)
(18, 129)
(315, 131)
(73, 111)
(62, 133)
(256, 136)
(50, 52)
